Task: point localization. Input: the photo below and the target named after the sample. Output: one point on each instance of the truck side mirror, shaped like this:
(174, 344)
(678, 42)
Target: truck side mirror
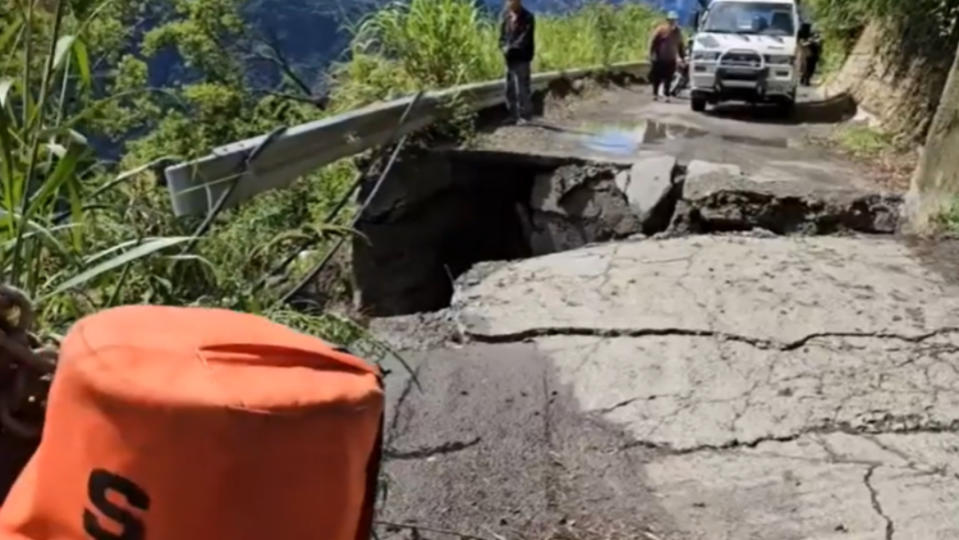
(696, 17)
(805, 30)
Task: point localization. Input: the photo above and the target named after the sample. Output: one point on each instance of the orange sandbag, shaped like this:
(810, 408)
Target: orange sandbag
(181, 423)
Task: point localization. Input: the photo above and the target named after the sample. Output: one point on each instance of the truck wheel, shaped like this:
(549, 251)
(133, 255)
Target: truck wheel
(698, 103)
(786, 108)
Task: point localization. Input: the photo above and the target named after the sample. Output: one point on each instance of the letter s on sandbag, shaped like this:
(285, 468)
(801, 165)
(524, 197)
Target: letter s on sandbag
(100, 483)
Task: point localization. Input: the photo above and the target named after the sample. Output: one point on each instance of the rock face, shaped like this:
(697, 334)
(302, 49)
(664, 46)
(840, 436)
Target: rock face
(578, 205)
(650, 189)
(900, 82)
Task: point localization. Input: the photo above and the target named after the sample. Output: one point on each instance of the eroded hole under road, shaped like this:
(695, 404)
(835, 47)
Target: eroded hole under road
(439, 212)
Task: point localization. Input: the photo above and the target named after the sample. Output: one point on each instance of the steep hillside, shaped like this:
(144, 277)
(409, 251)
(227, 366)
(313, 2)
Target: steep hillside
(315, 32)
(900, 87)
(898, 58)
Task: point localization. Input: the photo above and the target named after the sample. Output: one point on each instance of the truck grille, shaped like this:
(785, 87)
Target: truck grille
(741, 76)
(741, 59)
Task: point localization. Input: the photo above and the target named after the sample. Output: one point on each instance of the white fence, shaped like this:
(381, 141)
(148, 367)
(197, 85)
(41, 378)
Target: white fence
(197, 185)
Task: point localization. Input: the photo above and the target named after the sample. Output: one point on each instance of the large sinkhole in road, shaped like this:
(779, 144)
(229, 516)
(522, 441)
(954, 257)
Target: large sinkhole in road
(441, 211)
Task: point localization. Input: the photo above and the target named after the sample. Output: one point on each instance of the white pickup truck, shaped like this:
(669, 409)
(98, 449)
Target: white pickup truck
(747, 50)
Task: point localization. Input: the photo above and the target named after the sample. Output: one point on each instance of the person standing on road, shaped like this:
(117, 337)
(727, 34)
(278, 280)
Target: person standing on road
(666, 51)
(516, 40)
(813, 45)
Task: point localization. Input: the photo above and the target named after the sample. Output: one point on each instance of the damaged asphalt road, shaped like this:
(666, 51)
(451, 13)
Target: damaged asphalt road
(796, 379)
(690, 388)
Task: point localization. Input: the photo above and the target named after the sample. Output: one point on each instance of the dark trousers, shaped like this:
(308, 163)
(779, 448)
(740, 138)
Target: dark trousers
(812, 61)
(518, 90)
(661, 74)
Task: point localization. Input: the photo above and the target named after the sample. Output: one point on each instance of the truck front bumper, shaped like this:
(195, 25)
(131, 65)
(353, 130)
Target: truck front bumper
(720, 83)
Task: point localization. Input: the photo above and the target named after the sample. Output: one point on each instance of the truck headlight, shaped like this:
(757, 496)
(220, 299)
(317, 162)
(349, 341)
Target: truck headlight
(779, 59)
(707, 56)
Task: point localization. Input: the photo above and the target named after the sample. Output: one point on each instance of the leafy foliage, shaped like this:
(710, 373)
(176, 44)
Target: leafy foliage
(926, 29)
(50, 231)
(87, 238)
(948, 219)
(436, 43)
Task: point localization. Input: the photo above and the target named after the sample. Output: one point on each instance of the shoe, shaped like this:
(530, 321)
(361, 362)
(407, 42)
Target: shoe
(667, 99)
(522, 122)
(655, 97)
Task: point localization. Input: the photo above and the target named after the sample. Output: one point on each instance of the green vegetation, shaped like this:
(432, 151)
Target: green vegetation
(863, 141)
(439, 43)
(923, 28)
(54, 238)
(948, 220)
(82, 235)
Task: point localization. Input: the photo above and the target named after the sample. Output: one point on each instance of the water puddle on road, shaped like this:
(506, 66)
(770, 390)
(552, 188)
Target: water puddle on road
(756, 141)
(627, 138)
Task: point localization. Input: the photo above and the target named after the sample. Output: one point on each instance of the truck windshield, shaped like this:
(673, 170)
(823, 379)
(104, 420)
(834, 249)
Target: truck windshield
(769, 18)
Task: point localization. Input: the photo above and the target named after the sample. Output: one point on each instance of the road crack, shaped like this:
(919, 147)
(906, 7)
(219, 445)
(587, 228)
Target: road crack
(876, 505)
(731, 445)
(864, 431)
(430, 451)
(765, 344)
(394, 427)
(626, 403)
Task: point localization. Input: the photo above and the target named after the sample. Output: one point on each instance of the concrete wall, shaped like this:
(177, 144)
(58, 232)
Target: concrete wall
(935, 185)
(899, 76)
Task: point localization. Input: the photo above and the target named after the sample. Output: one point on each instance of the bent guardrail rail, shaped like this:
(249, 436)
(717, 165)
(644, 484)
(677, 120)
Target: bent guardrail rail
(196, 186)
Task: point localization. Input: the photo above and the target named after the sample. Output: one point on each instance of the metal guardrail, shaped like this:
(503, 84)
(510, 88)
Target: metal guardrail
(197, 186)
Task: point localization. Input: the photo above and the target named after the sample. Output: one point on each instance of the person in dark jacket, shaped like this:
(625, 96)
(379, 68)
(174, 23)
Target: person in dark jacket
(516, 41)
(666, 51)
(813, 46)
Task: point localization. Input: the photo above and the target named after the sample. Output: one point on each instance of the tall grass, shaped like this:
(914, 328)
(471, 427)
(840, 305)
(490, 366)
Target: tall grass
(57, 259)
(436, 43)
(598, 34)
(47, 203)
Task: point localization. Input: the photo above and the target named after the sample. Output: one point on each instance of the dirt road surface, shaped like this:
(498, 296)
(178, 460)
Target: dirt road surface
(713, 386)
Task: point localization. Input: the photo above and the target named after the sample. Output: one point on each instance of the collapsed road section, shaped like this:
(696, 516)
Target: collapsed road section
(714, 333)
(441, 212)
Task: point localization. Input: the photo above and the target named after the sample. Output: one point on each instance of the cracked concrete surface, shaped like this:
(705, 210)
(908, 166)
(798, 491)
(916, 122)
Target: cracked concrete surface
(779, 290)
(697, 388)
(683, 393)
(712, 387)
